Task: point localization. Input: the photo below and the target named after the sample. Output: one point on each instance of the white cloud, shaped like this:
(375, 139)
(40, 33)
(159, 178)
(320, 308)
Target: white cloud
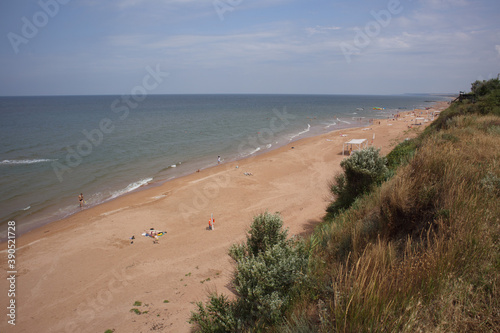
(279, 46)
(132, 3)
(439, 4)
(394, 43)
(129, 3)
(320, 29)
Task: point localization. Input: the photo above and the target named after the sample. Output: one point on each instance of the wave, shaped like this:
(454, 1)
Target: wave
(330, 125)
(254, 151)
(171, 166)
(300, 133)
(131, 187)
(13, 162)
(343, 121)
(250, 153)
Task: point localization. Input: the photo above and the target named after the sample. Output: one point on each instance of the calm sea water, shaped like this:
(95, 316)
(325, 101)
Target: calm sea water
(53, 148)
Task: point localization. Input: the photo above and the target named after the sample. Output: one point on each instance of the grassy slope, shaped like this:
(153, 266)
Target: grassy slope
(421, 252)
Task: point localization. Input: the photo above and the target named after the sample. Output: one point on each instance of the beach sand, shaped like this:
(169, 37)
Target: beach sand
(82, 274)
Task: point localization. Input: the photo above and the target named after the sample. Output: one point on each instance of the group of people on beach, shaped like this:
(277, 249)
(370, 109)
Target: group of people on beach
(152, 233)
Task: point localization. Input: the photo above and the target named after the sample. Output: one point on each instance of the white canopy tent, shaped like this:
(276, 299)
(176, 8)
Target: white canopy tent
(435, 114)
(357, 143)
(419, 121)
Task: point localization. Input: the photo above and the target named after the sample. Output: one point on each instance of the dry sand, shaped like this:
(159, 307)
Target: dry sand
(82, 274)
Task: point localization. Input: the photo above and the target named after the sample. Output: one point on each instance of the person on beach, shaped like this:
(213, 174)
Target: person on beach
(153, 234)
(218, 159)
(210, 224)
(80, 198)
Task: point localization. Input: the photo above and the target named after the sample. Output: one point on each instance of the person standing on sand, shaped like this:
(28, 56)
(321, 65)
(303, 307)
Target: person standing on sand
(218, 159)
(80, 198)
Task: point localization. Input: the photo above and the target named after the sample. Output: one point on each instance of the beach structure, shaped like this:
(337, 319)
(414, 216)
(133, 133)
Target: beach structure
(465, 96)
(435, 114)
(356, 144)
(419, 120)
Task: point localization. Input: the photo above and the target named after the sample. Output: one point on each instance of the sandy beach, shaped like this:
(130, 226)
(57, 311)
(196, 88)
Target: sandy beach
(84, 274)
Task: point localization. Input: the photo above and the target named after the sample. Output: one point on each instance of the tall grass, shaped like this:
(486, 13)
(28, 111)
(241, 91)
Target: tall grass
(422, 251)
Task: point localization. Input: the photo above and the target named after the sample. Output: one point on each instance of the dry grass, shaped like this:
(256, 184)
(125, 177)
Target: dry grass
(422, 252)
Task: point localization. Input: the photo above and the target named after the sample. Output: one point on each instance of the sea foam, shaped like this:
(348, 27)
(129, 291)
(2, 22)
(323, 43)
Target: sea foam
(13, 162)
(300, 133)
(131, 187)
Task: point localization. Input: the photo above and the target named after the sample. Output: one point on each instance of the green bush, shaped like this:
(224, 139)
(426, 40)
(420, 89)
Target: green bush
(488, 102)
(269, 267)
(491, 183)
(217, 316)
(265, 232)
(264, 282)
(362, 170)
(401, 154)
(483, 88)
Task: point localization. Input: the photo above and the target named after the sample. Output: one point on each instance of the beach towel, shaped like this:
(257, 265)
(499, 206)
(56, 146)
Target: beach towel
(158, 233)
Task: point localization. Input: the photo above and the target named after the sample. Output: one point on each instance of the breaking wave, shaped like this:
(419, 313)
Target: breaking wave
(33, 161)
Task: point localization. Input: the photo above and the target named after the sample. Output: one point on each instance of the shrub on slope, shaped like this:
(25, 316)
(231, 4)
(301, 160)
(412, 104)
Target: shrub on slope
(269, 267)
(363, 170)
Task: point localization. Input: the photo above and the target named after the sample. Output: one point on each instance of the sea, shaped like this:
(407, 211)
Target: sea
(52, 148)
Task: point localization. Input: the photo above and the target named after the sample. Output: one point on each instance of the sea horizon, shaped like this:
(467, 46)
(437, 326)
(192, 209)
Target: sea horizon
(443, 94)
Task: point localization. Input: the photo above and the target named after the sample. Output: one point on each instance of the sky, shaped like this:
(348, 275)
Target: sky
(92, 47)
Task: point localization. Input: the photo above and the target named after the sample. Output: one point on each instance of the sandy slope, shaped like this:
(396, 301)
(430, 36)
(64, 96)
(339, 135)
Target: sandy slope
(82, 274)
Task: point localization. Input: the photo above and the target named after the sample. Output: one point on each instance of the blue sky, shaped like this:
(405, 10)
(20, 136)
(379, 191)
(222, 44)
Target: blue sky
(61, 47)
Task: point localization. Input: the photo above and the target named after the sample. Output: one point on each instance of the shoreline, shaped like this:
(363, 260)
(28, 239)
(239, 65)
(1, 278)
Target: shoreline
(160, 182)
(88, 274)
(40, 205)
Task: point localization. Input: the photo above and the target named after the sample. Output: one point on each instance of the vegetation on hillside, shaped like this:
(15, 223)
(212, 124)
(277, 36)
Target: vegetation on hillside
(269, 268)
(363, 170)
(419, 251)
